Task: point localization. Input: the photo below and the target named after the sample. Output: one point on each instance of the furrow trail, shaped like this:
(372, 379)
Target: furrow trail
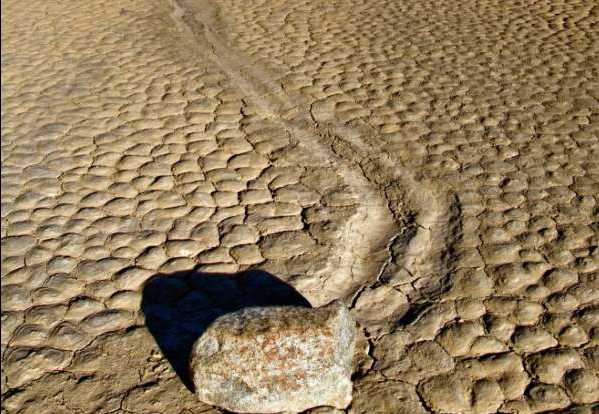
(402, 226)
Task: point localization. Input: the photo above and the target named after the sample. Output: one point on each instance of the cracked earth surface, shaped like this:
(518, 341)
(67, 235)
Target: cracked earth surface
(434, 164)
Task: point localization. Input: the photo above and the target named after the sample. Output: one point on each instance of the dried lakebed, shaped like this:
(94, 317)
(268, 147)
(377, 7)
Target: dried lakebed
(433, 165)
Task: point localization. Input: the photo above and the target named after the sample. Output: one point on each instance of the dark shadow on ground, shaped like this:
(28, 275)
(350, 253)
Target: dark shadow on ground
(178, 307)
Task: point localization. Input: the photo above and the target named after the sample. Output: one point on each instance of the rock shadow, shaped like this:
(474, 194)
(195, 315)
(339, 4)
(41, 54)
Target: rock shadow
(178, 307)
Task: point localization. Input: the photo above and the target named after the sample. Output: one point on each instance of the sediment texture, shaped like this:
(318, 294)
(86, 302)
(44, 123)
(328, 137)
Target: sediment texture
(432, 163)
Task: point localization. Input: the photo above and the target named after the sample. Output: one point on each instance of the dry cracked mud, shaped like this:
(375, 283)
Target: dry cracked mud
(434, 164)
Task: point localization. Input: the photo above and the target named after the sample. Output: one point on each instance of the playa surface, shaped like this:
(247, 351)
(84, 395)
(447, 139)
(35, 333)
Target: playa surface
(435, 165)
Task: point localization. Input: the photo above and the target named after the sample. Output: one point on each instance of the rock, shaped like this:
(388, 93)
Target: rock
(273, 359)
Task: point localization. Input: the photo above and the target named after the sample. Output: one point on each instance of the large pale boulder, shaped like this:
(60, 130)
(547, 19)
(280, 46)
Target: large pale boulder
(275, 359)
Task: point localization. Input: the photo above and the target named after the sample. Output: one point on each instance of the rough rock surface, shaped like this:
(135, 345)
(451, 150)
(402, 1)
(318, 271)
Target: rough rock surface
(447, 149)
(273, 359)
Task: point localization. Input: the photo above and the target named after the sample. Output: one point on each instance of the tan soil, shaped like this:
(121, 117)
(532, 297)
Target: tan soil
(435, 164)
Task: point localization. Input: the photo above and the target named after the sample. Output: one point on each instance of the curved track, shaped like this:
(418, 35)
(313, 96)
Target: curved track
(433, 164)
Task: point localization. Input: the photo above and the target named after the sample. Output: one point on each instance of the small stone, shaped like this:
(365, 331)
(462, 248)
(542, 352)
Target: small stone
(273, 359)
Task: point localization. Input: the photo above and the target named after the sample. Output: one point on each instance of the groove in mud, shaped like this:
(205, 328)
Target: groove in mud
(390, 196)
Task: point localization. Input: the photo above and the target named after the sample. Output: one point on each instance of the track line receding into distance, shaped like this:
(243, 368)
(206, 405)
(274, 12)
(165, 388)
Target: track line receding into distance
(402, 225)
